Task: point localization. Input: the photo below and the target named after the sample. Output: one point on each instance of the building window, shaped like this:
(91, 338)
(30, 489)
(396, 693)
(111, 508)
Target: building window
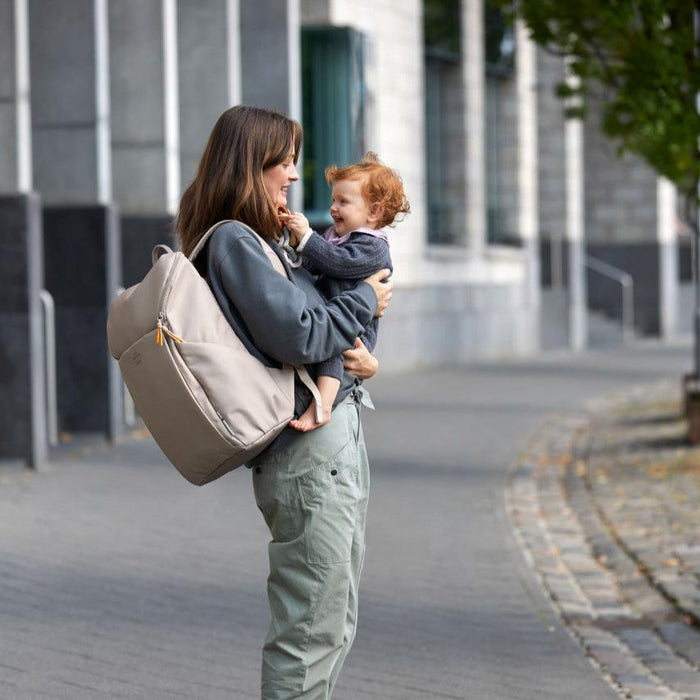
(501, 138)
(500, 41)
(334, 104)
(444, 130)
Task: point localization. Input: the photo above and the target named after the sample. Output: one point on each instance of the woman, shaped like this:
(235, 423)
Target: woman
(311, 487)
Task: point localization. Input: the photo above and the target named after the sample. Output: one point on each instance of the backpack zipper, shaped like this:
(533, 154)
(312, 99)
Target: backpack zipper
(225, 424)
(170, 283)
(161, 328)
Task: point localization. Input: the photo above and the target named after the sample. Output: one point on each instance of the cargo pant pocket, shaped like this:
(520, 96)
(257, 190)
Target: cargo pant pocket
(330, 495)
(277, 500)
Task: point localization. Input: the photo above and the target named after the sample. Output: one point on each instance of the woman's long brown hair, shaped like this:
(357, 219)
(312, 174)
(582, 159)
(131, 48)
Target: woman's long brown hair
(229, 184)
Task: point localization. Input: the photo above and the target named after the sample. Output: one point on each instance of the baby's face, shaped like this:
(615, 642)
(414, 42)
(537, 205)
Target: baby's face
(349, 209)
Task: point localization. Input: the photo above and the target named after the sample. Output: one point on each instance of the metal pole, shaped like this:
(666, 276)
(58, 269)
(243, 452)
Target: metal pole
(128, 402)
(627, 309)
(49, 319)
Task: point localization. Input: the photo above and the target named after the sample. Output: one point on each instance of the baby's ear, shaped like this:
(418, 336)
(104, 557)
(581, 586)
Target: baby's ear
(375, 212)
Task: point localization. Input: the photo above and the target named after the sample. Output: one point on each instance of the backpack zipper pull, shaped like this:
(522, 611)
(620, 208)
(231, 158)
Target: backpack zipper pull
(172, 335)
(162, 331)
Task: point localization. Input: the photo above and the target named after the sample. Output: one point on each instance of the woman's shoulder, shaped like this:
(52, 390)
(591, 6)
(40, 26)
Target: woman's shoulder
(230, 234)
(232, 230)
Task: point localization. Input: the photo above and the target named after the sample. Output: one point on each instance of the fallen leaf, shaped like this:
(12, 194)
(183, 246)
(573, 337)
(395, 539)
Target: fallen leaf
(658, 470)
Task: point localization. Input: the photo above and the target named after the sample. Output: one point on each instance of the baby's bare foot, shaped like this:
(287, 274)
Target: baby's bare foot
(302, 425)
(307, 420)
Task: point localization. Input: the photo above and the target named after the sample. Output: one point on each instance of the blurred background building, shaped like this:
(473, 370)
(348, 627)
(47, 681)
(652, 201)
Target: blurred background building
(527, 232)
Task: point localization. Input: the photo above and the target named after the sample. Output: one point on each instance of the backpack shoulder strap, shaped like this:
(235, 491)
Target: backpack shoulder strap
(203, 240)
(311, 386)
(276, 262)
(274, 258)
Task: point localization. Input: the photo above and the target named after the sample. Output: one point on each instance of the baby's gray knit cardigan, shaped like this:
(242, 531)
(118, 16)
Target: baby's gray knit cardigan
(340, 268)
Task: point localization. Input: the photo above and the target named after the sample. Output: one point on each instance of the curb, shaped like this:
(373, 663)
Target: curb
(630, 631)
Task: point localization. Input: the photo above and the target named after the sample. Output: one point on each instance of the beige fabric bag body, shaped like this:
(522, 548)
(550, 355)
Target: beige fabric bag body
(209, 404)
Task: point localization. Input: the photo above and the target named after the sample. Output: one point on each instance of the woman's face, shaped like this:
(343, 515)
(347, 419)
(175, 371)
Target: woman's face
(278, 178)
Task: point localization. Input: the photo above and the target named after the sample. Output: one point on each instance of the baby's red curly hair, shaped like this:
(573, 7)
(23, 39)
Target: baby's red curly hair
(380, 185)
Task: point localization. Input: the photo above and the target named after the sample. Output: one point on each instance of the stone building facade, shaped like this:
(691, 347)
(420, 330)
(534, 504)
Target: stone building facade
(105, 106)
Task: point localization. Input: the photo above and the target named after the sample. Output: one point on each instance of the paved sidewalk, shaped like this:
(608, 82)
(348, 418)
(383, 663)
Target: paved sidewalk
(120, 580)
(606, 503)
(645, 480)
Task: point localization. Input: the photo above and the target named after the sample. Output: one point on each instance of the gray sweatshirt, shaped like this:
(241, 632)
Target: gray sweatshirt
(281, 320)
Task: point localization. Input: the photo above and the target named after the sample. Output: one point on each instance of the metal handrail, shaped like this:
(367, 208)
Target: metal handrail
(48, 310)
(626, 282)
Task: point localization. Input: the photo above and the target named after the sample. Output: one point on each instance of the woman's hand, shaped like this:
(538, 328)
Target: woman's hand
(360, 361)
(382, 289)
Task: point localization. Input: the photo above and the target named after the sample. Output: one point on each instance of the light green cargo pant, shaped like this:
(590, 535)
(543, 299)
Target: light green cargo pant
(313, 495)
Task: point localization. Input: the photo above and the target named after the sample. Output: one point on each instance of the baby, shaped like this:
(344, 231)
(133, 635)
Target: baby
(367, 197)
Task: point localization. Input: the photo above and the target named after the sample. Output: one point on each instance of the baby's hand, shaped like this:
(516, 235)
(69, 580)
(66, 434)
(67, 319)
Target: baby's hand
(297, 225)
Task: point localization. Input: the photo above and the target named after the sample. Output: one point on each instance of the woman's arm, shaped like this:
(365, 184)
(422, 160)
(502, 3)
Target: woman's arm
(277, 314)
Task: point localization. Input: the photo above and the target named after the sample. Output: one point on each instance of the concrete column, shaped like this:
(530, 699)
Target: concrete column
(209, 72)
(270, 46)
(145, 124)
(139, 234)
(73, 172)
(70, 104)
(528, 216)
(22, 355)
(144, 98)
(15, 120)
(473, 71)
(85, 239)
(668, 257)
(271, 55)
(22, 378)
(575, 235)
(233, 44)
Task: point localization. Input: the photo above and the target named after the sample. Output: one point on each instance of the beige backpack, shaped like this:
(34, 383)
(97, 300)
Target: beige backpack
(209, 404)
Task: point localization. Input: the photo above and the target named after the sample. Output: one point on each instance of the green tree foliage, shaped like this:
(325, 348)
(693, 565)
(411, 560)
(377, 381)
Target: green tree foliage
(643, 54)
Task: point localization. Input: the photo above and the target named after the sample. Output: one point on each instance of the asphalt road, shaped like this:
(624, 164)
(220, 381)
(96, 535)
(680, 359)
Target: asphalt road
(120, 580)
